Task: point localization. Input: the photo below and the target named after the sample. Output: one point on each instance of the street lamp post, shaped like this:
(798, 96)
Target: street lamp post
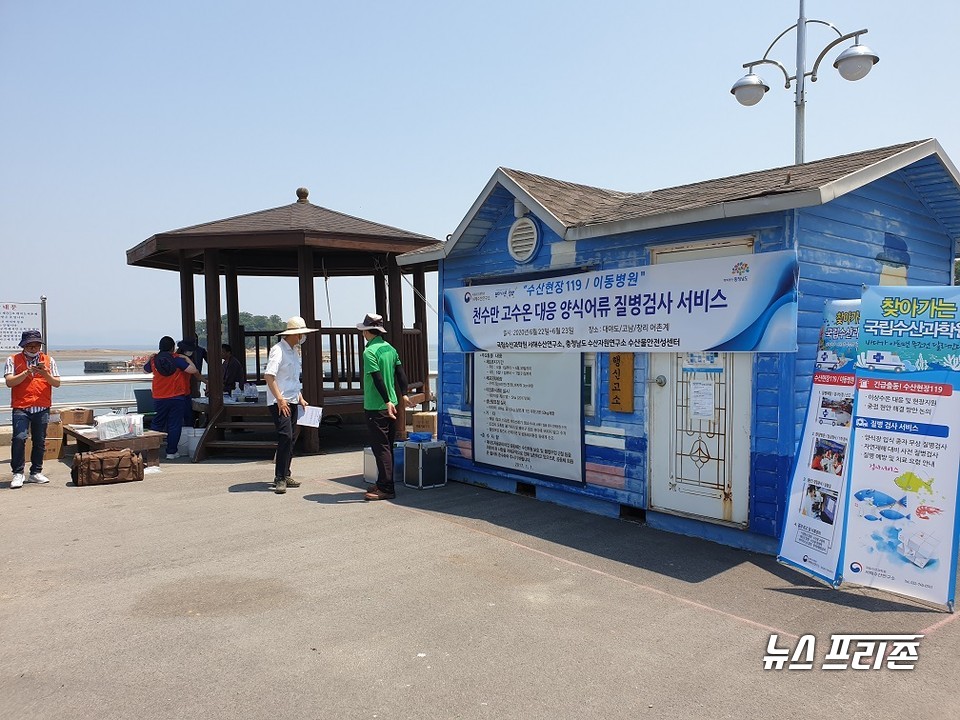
(852, 64)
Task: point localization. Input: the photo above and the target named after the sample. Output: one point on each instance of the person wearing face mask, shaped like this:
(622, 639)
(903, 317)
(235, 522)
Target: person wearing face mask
(284, 365)
(30, 375)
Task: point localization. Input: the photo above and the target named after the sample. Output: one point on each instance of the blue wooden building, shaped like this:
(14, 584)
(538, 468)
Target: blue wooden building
(884, 216)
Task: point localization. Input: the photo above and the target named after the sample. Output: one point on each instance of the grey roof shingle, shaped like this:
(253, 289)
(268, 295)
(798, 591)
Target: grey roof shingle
(301, 216)
(578, 205)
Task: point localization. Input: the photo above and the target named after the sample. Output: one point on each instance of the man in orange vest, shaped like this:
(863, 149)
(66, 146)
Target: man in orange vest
(171, 392)
(31, 375)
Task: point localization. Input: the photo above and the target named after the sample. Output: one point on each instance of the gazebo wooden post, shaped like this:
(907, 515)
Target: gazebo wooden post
(188, 315)
(211, 273)
(394, 325)
(313, 350)
(232, 291)
(420, 323)
(379, 294)
(395, 316)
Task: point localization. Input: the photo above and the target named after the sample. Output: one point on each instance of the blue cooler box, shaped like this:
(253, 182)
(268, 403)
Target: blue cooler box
(425, 464)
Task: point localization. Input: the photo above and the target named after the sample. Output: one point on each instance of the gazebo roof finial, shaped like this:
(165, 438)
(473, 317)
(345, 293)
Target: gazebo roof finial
(302, 194)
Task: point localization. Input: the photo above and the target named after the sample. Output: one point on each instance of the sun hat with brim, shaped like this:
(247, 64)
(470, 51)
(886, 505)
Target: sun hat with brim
(297, 326)
(30, 336)
(372, 323)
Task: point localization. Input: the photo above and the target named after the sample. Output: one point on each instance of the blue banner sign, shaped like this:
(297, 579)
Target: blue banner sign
(742, 303)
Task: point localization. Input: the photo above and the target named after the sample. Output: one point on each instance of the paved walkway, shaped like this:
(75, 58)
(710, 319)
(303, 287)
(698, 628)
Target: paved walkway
(199, 593)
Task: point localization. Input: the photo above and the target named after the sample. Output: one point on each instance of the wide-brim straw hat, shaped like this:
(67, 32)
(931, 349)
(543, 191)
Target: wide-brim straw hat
(297, 326)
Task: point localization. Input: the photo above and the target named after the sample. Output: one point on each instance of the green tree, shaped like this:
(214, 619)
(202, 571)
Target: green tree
(249, 322)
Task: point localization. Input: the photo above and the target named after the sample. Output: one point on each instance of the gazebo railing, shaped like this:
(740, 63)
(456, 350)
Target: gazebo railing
(342, 353)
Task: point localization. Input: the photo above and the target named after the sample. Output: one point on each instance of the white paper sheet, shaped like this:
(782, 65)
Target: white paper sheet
(309, 416)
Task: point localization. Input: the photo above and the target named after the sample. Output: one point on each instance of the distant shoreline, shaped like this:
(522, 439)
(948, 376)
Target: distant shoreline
(102, 354)
(97, 354)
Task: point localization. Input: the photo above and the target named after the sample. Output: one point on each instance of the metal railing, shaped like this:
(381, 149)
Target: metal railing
(95, 379)
(122, 378)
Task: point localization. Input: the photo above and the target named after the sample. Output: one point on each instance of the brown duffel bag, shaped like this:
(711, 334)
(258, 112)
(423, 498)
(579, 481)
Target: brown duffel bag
(102, 467)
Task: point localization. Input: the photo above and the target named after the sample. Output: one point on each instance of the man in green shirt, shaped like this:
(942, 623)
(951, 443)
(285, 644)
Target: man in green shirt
(382, 376)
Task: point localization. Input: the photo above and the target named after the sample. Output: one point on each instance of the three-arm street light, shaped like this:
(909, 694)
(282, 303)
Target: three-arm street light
(852, 64)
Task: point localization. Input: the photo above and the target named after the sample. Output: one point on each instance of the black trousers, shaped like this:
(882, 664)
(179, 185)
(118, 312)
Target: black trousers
(287, 431)
(383, 432)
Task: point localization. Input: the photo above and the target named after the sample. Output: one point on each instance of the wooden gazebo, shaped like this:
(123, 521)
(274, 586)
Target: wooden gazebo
(298, 240)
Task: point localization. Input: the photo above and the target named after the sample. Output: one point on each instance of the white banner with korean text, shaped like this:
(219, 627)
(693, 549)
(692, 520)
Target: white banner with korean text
(528, 413)
(902, 499)
(738, 303)
(812, 537)
(14, 319)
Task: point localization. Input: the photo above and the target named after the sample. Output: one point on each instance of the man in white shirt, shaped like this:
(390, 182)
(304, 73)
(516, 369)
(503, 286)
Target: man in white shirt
(284, 395)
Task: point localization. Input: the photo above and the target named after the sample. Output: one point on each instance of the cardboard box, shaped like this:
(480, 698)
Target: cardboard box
(425, 422)
(77, 416)
(53, 449)
(54, 429)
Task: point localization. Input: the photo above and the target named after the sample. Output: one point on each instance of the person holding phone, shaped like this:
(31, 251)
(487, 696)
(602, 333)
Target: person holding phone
(31, 376)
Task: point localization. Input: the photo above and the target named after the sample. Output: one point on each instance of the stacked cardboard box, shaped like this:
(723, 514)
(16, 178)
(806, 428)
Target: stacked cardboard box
(77, 416)
(53, 449)
(425, 422)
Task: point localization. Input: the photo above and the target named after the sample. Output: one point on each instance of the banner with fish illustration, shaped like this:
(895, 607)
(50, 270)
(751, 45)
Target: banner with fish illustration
(812, 535)
(902, 500)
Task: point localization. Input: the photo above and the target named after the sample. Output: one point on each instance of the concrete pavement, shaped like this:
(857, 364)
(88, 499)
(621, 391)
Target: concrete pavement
(199, 593)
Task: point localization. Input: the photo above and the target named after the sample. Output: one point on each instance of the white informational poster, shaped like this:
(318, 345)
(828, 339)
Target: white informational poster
(739, 303)
(702, 399)
(901, 508)
(528, 413)
(812, 539)
(14, 319)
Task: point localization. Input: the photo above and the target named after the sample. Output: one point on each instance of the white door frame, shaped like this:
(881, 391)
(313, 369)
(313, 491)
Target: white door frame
(699, 466)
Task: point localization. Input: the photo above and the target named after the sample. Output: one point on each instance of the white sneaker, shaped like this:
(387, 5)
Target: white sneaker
(17, 480)
(172, 457)
(38, 478)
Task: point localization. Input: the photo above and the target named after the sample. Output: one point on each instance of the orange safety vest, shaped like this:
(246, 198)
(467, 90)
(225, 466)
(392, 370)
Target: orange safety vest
(33, 392)
(169, 386)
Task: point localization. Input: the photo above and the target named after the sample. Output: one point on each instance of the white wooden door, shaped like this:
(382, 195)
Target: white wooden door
(700, 411)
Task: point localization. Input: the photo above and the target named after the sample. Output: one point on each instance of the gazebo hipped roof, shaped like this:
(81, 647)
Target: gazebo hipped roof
(268, 242)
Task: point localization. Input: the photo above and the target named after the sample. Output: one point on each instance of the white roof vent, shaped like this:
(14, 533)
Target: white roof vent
(523, 239)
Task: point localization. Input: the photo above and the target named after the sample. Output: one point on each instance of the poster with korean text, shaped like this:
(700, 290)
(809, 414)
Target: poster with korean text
(528, 413)
(813, 529)
(14, 319)
(901, 507)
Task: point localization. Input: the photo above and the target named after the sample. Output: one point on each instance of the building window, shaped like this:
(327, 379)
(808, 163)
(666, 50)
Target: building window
(589, 383)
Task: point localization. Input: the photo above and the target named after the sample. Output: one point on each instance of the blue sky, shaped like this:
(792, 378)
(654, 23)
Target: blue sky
(124, 119)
